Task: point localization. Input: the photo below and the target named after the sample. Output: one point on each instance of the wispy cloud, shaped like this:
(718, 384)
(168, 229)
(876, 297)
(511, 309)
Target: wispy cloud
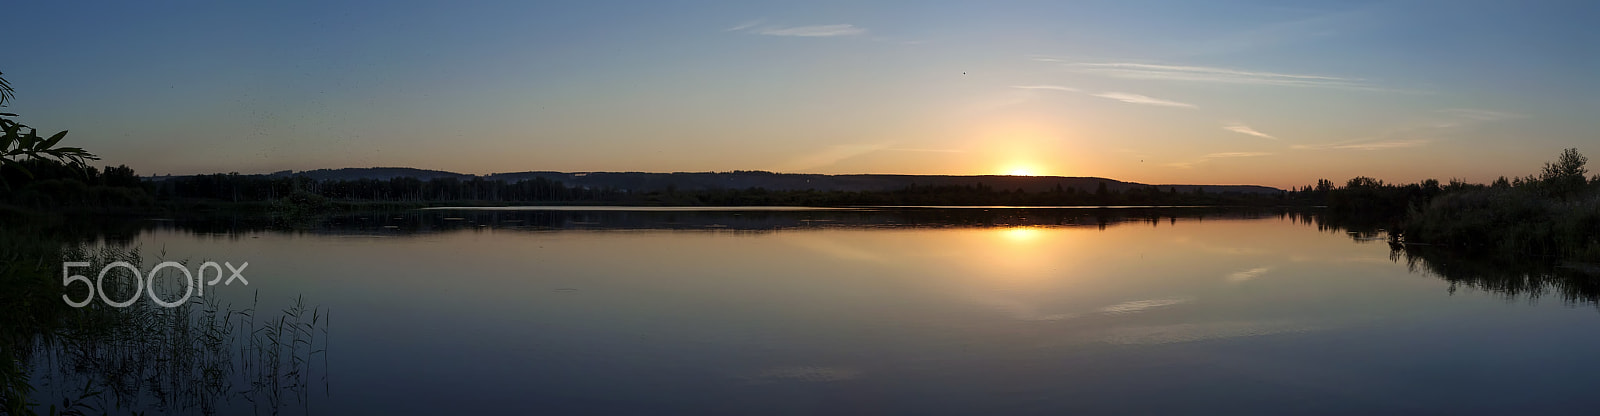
(1137, 68)
(1392, 144)
(839, 249)
(1141, 305)
(811, 31)
(1219, 155)
(1244, 275)
(1235, 154)
(1142, 99)
(1130, 70)
(1022, 311)
(1119, 96)
(902, 149)
(828, 156)
(1481, 115)
(745, 25)
(1420, 132)
(1046, 87)
(1243, 129)
(1191, 332)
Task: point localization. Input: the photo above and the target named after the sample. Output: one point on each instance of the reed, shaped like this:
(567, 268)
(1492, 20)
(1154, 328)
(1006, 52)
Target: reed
(194, 358)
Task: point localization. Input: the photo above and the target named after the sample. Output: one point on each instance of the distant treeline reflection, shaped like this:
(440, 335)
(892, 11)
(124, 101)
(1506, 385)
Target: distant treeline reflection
(407, 222)
(1509, 274)
(1530, 279)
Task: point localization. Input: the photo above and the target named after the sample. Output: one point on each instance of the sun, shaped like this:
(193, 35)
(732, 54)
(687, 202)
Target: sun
(1022, 167)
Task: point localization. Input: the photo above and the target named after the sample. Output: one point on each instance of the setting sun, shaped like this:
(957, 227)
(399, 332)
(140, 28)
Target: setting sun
(1021, 169)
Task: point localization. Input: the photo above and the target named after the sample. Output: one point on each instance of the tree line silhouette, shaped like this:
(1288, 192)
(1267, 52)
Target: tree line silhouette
(51, 184)
(62, 187)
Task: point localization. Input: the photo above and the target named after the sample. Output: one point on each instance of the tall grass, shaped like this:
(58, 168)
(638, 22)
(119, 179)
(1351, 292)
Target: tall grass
(201, 357)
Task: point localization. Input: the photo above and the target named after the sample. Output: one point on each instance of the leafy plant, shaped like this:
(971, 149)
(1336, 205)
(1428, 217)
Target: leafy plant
(21, 142)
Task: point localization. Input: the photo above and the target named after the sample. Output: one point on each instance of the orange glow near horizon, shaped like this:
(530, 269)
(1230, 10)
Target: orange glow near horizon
(1022, 169)
(1023, 256)
(1020, 234)
(1022, 145)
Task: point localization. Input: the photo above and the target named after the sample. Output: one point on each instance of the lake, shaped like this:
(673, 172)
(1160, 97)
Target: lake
(891, 310)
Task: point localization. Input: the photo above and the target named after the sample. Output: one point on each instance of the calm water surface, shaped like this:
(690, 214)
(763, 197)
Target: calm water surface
(919, 311)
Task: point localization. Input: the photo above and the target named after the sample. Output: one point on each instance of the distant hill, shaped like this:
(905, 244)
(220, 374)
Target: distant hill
(347, 174)
(689, 181)
(642, 181)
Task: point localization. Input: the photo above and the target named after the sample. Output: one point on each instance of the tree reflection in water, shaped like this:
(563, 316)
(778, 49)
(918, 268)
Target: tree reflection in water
(1528, 278)
(1512, 278)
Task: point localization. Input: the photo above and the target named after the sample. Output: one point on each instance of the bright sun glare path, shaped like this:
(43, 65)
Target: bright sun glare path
(1020, 234)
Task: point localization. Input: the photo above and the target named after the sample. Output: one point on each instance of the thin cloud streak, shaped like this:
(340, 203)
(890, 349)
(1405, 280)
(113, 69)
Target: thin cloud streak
(1244, 275)
(1220, 155)
(828, 156)
(1396, 144)
(1481, 115)
(1046, 87)
(1142, 99)
(812, 31)
(1187, 73)
(745, 25)
(1420, 134)
(1142, 305)
(1213, 70)
(1235, 154)
(1243, 129)
(927, 150)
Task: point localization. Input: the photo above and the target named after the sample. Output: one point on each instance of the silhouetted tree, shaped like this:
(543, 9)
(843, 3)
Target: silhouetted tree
(1565, 176)
(1501, 183)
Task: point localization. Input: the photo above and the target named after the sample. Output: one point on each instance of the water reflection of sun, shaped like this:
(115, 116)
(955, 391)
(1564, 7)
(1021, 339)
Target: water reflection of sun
(1020, 234)
(1024, 255)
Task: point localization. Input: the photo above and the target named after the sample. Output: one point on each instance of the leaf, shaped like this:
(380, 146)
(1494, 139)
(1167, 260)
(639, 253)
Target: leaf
(53, 140)
(26, 141)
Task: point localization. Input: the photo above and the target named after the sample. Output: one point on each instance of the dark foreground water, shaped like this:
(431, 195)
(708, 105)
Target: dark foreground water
(885, 311)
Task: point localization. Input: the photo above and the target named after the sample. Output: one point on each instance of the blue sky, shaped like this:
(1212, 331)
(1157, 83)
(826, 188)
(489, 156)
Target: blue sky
(1271, 93)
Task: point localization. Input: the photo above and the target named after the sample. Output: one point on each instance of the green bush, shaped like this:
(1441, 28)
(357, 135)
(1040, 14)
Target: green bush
(1512, 221)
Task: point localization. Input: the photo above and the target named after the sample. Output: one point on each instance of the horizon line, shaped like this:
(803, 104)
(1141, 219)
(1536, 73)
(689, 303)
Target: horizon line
(295, 172)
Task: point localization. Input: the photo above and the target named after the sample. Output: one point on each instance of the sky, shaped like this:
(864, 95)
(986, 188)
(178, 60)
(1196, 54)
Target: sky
(1225, 92)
